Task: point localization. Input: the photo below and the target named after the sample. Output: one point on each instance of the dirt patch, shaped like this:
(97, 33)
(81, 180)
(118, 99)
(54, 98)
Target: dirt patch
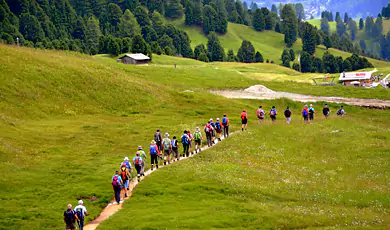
(261, 92)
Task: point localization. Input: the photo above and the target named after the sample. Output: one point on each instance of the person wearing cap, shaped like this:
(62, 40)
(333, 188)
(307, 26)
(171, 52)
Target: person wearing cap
(244, 120)
(198, 139)
(185, 140)
(127, 163)
(154, 152)
(273, 113)
(143, 155)
(208, 130)
(137, 161)
(175, 149)
(311, 113)
(225, 123)
(70, 218)
(305, 114)
(81, 212)
(326, 111)
(213, 130)
(218, 129)
(287, 114)
(166, 142)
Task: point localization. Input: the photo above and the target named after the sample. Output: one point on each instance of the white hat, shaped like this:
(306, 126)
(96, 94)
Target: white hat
(211, 119)
(81, 202)
(126, 159)
(197, 129)
(311, 105)
(217, 119)
(166, 134)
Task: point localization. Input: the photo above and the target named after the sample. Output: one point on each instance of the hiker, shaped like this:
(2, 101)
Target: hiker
(191, 139)
(127, 163)
(137, 161)
(198, 139)
(70, 218)
(154, 152)
(218, 129)
(167, 148)
(208, 130)
(273, 113)
(143, 155)
(213, 125)
(305, 114)
(225, 123)
(158, 139)
(260, 113)
(326, 111)
(125, 176)
(185, 140)
(116, 185)
(81, 211)
(175, 149)
(341, 112)
(287, 114)
(311, 113)
(244, 120)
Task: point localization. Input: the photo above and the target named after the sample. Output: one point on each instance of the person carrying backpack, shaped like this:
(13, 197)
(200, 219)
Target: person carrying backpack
(81, 212)
(273, 113)
(260, 113)
(287, 114)
(225, 124)
(70, 218)
(116, 182)
(185, 140)
(191, 138)
(208, 130)
(167, 148)
(244, 120)
(213, 131)
(127, 163)
(154, 152)
(311, 113)
(198, 139)
(137, 161)
(326, 111)
(158, 139)
(143, 155)
(218, 129)
(125, 176)
(341, 112)
(175, 149)
(305, 114)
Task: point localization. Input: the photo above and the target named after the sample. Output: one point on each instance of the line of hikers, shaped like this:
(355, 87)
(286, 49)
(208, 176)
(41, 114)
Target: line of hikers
(167, 150)
(307, 114)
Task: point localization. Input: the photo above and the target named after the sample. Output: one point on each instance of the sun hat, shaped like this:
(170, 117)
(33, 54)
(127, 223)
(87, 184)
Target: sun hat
(140, 147)
(153, 142)
(81, 202)
(137, 153)
(217, 119)
(126, 159)
(166, 135)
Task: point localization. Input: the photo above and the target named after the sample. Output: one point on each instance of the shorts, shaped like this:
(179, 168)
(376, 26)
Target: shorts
(167, 152)
(197, 142)
(288, 119)
(175, 152)
(218, 130)
(261, 118)
(159, 145)
(244, 122)
(126, 184)
(305, 118)
(311, 117)
(70, 226)
(273, 117)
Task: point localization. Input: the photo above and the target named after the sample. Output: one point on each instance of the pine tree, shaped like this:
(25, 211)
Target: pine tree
(128, 25)
(274, 9)
(131, 4)
(198, 50)
(158, 23)
(353, 28)
(309, 38)
(149, 34)
(338, 17)
(361, 24)
(114, 15)
(270, 21)
(290, 25)
(31, 28)
(259, 57)
(166, 41)
(230, 6)
(188, 12)
(286, 58)
(230, 56)
(300, 11)
(203, 57)
(173, 9)
(139, 45)
(368, 26)
(209, 19)
(240, 9)
(340, 28)
(141, 14)
(92, 34)
(221, 22)
(155, 47)
(215, 49)
(197, 13)
(325, 26)
(246, 52)
(258, 20)
(245, 6)
(292, 55)
(346, 18)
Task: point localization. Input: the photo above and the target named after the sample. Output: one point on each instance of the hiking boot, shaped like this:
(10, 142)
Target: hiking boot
(165, 163)
(125, 194)
(156, 166)
(169, 162)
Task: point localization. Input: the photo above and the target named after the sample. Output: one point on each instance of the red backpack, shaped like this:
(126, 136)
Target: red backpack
(123, 173)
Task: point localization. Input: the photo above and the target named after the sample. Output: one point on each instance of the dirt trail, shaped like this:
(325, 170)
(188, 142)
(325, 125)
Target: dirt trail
(112, 208)
(263, 93)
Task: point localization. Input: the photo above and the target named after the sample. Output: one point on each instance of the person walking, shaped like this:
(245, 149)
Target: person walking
(208, 130)
(311, 113)
(185, 140)
(191, 138)
(81, 212)
(125, 176)
(70, 218)
(225, 123)
(244, 120)
(213, 131)
(305, 114)
(127, 163)
(158, 140)
(273, 113)
(154, 152)
(167, 148)
(287, 114)
(137, 161)
(218, 129)
(341, 112)
(326, 111)
(116, 186)
(198, 139)
(143, 155)
(175, 149)
(260, 113)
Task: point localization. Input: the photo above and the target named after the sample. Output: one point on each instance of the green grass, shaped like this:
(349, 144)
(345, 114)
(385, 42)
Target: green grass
(317, 23)
(275, 177)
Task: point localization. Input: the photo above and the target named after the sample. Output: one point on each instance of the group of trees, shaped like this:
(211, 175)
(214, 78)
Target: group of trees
(386, 11)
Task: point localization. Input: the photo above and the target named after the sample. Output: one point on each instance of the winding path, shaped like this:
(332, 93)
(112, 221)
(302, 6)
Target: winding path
(263, 93)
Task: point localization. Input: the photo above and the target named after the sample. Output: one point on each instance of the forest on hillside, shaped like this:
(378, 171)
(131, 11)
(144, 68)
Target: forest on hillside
(120, 26)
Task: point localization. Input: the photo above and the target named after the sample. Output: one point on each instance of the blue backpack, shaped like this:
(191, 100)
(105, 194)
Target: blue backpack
(224, 121)
(184, 139)
(304, 113)
(218, 125)
(174, 144)
(153, 150)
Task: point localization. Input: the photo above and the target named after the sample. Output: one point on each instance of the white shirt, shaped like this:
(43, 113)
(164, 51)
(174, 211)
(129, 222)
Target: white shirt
(83, 209)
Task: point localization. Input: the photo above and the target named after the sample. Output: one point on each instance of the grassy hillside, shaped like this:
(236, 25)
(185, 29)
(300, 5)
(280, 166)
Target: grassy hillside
(269, 43)
(317, 22)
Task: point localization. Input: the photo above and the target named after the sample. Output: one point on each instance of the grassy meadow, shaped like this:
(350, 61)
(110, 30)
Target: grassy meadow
(68, 119)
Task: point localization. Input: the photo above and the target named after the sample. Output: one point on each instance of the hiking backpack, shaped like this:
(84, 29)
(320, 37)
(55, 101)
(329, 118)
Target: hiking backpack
(152, 150)
(166, 144)
(218, 125)
(243, 116)
(69, 216)
(123, 174)
(287, 113)
(79, 213)
(311, 110)
(157, 137)
(272, 112)
(115, 182)
(174, 143)
(184, 139)
(304, 113)
(138, 161)
(197, 136)
(339, 112)
(225, 121)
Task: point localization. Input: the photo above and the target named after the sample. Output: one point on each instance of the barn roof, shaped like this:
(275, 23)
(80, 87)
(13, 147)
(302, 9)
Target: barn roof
(356, 76)
(138, 57)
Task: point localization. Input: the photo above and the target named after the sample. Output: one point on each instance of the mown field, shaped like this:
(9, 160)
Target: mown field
(67, 120)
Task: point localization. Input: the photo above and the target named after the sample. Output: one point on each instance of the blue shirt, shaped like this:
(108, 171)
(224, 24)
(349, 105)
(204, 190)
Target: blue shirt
(119, 178)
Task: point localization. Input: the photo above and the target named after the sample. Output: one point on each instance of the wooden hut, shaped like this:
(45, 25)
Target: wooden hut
(135, 59)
